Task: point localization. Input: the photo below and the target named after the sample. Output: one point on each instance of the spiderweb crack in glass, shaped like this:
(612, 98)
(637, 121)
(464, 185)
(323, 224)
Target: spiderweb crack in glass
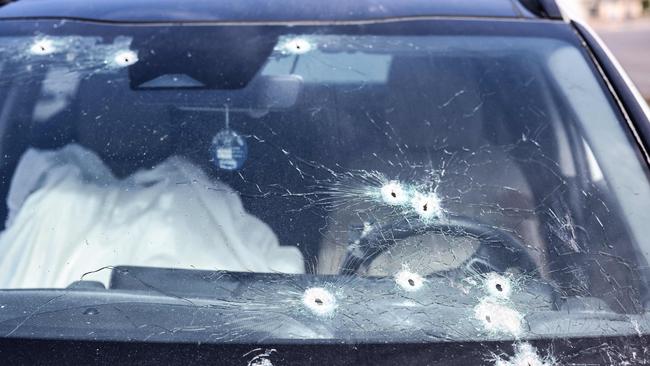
(84, 55)
(525, 355)
(261, 357)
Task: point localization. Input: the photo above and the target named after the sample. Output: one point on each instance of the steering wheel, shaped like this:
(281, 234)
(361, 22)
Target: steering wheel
(498, 250)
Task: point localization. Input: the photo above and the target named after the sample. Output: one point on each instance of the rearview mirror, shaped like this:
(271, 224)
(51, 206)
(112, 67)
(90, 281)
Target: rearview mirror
(263, 93)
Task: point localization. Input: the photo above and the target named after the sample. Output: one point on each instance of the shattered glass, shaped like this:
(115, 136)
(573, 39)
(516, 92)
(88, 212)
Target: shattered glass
(440, 188)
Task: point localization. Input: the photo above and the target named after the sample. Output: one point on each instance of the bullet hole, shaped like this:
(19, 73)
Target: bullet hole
(426, 205)
(409, 281)
(261, 359)
(498, 286)
(261, 362)
(125, 58)
(42, 47)
(525, 355)
(319, 301)
(296, 46)
(393, 193)
(498, 318)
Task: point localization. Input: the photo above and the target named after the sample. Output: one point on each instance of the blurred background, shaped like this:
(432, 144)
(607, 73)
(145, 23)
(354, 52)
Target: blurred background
(624, 25)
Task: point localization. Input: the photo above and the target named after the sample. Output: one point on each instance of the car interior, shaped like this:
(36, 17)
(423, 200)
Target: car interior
(491, 127)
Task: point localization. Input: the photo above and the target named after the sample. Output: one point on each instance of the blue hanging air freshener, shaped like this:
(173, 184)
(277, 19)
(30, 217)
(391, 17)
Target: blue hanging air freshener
(229, 149)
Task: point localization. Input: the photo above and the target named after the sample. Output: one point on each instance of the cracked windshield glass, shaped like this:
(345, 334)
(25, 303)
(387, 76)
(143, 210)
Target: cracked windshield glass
(354, 183)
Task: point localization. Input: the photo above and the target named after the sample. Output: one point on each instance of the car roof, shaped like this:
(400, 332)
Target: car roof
(273, 10)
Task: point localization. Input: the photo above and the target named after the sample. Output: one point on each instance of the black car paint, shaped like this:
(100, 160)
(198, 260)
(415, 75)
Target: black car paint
(150, 11)
(587, 351)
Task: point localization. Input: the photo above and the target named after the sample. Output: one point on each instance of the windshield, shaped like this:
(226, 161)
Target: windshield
(465, 181)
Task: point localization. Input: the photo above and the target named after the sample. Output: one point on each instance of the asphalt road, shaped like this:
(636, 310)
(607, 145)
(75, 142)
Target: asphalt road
(630, 44)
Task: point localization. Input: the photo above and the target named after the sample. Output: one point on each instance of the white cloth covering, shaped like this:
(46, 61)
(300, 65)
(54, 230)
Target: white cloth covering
(68, 215)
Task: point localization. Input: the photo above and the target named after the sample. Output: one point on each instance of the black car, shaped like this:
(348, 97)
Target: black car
(298, 182)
